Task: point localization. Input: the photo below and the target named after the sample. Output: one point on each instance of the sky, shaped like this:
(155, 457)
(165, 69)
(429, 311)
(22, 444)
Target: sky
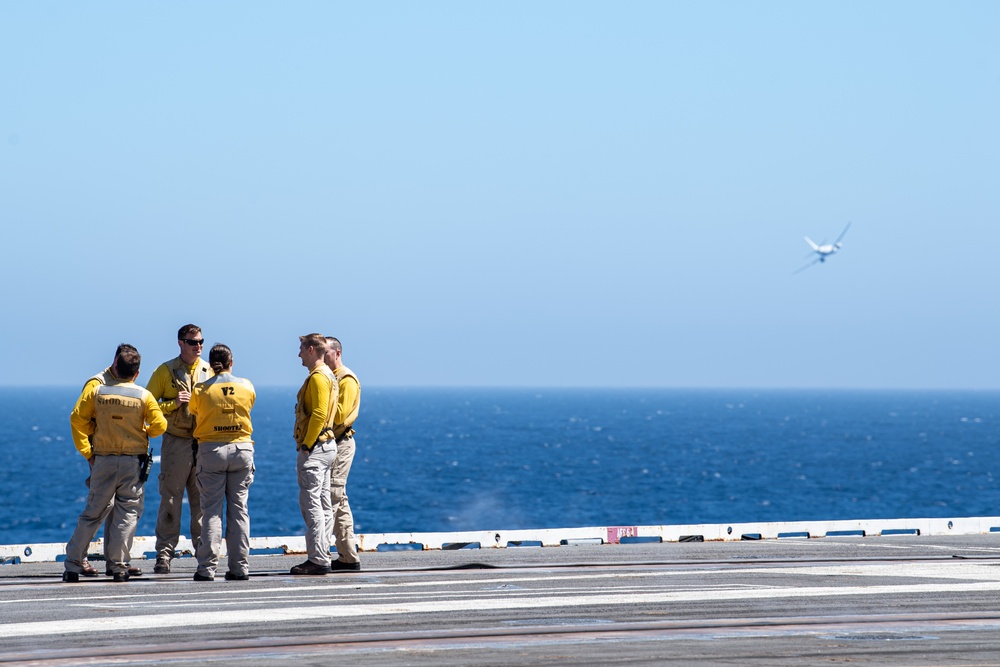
(516, 194)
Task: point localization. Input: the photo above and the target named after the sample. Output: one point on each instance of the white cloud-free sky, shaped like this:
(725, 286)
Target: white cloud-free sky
(512, 194)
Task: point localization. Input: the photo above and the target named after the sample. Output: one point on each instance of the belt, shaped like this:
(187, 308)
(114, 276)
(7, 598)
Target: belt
(319, 441)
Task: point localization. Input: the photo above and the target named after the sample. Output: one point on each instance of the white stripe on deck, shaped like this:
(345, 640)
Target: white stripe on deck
(492, 600)
(357, 585)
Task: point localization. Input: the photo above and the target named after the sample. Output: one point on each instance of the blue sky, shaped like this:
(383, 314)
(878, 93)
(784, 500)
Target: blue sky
(512, 194)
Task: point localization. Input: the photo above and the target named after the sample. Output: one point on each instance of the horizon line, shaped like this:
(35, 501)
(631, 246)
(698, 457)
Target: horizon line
(550, 387)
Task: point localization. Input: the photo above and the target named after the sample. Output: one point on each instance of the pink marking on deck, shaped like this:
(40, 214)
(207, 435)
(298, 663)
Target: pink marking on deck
(616, 533)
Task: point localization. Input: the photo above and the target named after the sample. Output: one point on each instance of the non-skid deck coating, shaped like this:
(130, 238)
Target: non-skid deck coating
(893, 600)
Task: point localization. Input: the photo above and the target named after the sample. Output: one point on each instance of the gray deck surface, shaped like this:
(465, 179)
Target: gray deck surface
(899, 600)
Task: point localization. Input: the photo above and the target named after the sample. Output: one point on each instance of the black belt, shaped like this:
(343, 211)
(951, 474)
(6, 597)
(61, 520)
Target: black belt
(319, 441)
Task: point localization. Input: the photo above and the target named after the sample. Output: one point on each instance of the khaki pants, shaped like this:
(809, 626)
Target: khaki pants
(107, 522)
(225, 473)
(114, 480)
(176, 475)
(341, 518)
(313, 469)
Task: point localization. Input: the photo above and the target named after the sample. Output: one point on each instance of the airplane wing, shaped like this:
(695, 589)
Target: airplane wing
(815, 261)
(842, 233)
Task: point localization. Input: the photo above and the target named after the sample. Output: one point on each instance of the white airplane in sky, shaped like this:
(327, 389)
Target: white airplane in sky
(823, 250)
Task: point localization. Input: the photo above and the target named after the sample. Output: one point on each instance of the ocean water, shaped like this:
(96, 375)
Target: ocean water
(503, 459)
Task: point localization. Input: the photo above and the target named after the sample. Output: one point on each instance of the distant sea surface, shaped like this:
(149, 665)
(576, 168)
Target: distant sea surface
(492, 459)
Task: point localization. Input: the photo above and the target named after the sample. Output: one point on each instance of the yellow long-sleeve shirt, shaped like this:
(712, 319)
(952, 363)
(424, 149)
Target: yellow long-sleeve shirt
(82, 420)
(161, 384)
(347, 397)
(317, 399)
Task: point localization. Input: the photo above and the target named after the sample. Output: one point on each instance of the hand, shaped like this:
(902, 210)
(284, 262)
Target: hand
(183, 396)
(91, 460)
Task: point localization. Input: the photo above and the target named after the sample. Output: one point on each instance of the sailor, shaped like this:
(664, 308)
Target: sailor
(315, 407)
(348, 403)
(221, 406)
(171, 385)
(106, 376)
(111, 425)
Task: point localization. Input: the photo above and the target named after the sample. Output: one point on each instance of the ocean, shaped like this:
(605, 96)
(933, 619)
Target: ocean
(505, 459)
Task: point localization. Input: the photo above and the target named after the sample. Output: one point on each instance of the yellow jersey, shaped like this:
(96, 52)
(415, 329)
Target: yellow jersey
(221, 406)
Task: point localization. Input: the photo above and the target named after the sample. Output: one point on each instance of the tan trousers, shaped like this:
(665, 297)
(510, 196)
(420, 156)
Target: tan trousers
(177, 474)
(109, 515)
(115, 480)
(225, 473)
(341, 518)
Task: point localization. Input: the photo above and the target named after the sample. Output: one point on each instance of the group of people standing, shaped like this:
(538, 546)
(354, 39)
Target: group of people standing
(203, 412)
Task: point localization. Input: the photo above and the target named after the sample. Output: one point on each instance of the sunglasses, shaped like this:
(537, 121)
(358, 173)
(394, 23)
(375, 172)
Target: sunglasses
(194, 341)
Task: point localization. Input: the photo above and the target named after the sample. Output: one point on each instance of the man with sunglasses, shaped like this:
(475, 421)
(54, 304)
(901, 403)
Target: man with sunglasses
(171, 385)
